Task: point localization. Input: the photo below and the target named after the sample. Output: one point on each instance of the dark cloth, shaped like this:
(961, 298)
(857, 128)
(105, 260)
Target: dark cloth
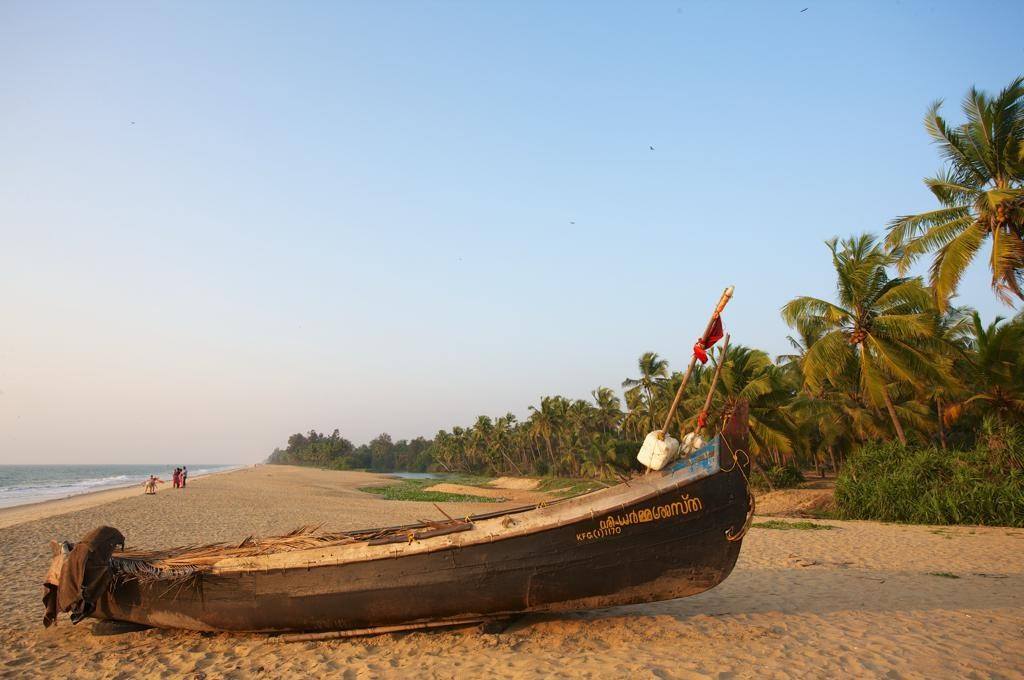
(84, 577)
(50, 603)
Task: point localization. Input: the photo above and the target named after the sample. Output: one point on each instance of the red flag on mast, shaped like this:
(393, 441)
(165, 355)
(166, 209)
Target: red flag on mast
(713, 335)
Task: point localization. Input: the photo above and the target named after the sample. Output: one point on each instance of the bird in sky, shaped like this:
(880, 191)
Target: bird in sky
(804, 10)
(651, 148)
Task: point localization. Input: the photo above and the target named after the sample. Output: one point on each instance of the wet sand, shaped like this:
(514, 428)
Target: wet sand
(864, 599)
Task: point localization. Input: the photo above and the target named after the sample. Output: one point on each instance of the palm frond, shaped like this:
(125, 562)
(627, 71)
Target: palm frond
(827, 359)
(905, 228)
(807, 309)
(951, 262)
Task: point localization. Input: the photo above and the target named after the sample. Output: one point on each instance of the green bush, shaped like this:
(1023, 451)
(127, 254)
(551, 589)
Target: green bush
(780, 476)
(891, 483)
(625, 455)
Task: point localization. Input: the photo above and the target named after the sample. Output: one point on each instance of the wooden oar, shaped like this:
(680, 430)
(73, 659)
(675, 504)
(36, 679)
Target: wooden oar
(360, 632)
(722, 302)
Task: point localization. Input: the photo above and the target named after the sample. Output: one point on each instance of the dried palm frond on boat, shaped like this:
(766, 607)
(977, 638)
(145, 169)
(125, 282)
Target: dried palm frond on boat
(185, 561)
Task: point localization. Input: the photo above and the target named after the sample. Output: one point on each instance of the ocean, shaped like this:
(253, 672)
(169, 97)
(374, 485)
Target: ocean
(21, 484)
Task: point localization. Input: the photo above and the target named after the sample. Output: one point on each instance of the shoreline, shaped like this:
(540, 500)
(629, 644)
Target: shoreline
(51, 507)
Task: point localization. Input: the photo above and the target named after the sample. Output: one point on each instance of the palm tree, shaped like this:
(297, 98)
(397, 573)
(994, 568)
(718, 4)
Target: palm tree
(954, 332)
(481, 438)
(883, 329)
(808, 332)
(995, 370)
(637, 419)
(749, 375)
(547, 422)
(652, 371)
(982, 196)
(609, 408)
(503, 438)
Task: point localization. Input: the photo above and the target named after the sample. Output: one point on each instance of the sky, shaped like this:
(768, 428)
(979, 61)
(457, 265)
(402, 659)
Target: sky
(222, 223)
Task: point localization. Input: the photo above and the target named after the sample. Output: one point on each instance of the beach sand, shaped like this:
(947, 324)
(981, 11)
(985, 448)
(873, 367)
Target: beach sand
(864, 600)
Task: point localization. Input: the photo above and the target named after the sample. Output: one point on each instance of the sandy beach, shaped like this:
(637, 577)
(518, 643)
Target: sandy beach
(864, 599)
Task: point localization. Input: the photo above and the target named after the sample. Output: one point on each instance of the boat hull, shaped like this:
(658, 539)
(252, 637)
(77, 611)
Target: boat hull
(576, 566)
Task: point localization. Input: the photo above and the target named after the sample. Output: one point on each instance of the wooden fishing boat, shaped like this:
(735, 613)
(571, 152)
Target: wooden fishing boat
(662, 535)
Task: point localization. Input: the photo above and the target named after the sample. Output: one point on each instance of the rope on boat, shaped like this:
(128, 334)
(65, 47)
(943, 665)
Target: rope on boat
(729, 535)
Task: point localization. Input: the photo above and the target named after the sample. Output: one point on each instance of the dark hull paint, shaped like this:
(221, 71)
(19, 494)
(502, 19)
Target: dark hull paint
(550, 570)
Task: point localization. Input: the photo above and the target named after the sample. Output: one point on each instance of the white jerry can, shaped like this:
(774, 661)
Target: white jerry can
(691, 443)
(656, 452)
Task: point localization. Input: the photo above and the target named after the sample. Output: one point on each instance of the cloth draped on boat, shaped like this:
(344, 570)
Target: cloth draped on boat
(84, 577)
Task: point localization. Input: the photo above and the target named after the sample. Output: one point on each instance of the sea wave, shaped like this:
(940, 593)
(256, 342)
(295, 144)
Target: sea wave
(23, 491)
(60, 484)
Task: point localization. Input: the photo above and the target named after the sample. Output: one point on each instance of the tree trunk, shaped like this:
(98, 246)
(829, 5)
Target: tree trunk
(768, 481)
(832, 460)
(650, 409)
(942, 430)
(895, 420)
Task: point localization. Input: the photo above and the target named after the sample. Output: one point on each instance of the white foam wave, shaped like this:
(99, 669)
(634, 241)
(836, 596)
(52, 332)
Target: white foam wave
(43, 490)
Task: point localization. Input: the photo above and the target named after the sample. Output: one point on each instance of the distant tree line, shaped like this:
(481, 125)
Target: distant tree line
(335, 452)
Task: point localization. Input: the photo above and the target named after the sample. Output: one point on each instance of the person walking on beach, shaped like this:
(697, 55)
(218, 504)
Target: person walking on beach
(176, 477)
(150, 485)
(184, 476)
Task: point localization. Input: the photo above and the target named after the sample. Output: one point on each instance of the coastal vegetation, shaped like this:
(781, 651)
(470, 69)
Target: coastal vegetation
(917, 403)
(926, 485)
(792, 526)
(416, 490)
(777, 477)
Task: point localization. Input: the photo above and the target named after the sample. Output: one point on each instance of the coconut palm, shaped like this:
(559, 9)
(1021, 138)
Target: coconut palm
(995, 371)
(609, 408)
(652, 371)
(981, 191)
(882, 329)
(547, 422)
(808, 332)
(504, 435)
(749, 375)
(637, 420)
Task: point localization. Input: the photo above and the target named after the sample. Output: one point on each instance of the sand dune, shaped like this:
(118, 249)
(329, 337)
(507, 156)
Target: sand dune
(864, 599)
(512, 495)
(520, 483)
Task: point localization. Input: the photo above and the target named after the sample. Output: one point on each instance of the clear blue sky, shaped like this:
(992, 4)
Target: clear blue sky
(225, 222)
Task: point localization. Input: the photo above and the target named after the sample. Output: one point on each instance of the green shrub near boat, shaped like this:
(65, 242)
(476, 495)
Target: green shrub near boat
(780, 476)
(892, 483)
